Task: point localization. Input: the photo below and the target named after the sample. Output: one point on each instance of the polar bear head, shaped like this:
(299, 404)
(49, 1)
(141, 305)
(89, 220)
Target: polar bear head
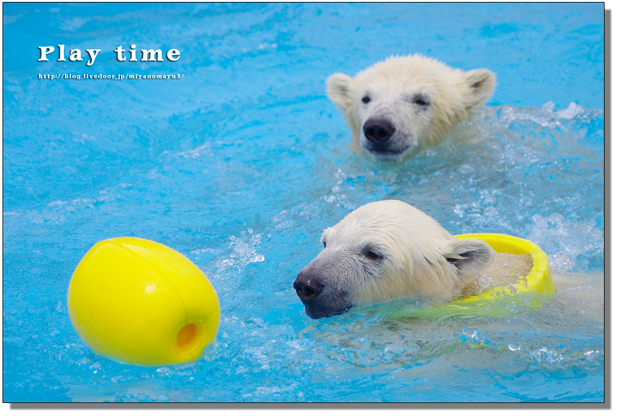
(385, 251)
(407, 102)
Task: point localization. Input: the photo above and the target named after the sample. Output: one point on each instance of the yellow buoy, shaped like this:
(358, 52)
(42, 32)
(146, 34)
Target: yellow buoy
(530, 292)
(537, 282)
(143, 303)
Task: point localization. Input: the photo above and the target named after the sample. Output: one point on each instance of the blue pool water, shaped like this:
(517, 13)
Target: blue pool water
(242, 163)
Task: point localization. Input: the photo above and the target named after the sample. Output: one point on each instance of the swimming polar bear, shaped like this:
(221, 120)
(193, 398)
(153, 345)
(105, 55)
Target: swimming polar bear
(385, 251)
(405, 103)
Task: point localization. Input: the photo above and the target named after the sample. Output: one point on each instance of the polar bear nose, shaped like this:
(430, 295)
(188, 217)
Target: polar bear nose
(307, 286)
(378, 130)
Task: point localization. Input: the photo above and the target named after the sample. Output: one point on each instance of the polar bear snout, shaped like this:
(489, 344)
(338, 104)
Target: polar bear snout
(307, 285)
(316, 290)
(378, 130)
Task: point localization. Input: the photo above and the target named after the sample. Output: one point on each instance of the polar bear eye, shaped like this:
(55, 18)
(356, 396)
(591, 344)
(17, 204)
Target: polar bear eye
(324, 244)
(366, 99)
(421, 100)
(372, 255)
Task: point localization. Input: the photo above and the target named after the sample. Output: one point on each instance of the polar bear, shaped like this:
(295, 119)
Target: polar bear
(385, 251)
(405, 103)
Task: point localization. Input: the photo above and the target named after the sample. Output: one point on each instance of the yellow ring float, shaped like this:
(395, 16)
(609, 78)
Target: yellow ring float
(500, 301)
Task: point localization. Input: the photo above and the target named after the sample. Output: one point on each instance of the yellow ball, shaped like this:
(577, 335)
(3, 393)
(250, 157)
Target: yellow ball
(143, 303)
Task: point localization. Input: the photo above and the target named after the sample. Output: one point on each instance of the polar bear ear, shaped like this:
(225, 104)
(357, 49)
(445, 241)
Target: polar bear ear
(481, 84)
(470, 256)
(340, 90)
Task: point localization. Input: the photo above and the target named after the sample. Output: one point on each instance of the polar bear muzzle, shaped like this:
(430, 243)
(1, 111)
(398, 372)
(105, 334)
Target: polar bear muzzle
(378, 130)
(315, 287)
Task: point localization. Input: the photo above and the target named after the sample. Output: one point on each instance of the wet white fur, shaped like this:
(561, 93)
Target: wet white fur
(414, 247)
(391, 85)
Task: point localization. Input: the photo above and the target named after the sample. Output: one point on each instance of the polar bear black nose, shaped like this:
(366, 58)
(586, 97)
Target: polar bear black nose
(307, 286)
(378, 130)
